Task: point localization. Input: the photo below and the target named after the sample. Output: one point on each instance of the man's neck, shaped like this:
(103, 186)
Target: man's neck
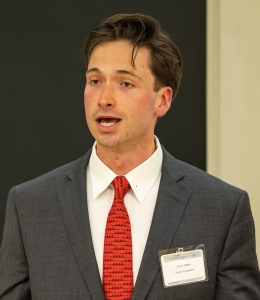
(121, 161)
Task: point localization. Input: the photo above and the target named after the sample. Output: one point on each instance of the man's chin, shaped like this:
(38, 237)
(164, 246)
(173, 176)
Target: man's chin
(107, 142)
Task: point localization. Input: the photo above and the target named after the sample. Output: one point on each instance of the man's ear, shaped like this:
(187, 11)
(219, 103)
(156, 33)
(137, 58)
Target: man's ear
(164, 99)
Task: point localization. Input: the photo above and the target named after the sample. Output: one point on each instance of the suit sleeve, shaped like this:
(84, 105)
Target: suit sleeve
(14, 273)
(238, 275)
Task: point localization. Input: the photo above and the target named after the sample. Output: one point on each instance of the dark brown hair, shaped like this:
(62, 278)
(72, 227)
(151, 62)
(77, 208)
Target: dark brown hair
(142, 31)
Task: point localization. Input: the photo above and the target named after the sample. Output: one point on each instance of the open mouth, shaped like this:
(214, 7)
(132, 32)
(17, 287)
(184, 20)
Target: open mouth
(108, 121)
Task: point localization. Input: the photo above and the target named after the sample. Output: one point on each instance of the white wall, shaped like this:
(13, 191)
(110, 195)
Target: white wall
(233, 96)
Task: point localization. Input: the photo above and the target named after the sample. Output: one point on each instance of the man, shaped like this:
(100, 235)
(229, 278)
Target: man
(57, 237)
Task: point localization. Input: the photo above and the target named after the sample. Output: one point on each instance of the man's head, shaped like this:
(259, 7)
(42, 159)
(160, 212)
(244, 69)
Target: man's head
(141, 31)
(133, 72)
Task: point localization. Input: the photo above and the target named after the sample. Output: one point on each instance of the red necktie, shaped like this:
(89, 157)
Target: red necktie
(117, 262)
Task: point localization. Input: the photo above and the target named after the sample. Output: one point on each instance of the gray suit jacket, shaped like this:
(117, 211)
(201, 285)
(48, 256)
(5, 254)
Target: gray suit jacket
(47, 250)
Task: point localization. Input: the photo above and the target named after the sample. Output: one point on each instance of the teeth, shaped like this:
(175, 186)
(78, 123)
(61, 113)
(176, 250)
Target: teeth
(107, 124)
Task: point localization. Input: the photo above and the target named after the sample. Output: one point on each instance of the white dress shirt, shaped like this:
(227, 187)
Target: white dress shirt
(139, 201)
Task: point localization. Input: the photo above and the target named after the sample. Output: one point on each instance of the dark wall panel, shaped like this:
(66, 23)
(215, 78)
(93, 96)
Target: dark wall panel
(42, 122)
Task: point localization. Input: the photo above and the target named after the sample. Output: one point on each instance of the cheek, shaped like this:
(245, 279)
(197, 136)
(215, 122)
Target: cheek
(146, 102)
(141, 100)
(142, 110)
(87, 95)
(88, 99)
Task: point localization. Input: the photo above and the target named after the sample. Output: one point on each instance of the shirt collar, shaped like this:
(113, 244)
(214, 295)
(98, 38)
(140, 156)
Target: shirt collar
(101, 176)
(140, 178)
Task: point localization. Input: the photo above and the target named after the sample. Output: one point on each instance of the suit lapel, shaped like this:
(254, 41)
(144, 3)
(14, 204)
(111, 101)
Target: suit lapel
(73, 204)
(171, 202)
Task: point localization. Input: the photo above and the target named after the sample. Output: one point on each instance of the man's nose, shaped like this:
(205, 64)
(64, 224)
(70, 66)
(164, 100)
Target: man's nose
(107, 97)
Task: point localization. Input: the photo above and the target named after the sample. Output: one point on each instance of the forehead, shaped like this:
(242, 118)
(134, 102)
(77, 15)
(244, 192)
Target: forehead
(120, 52)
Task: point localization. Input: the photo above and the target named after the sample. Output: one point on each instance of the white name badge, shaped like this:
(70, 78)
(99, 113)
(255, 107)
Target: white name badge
(183, 267)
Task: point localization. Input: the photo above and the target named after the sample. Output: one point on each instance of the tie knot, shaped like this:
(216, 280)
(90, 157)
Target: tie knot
(121, 186)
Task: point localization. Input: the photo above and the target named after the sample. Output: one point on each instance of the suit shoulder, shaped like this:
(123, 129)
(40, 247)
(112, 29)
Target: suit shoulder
(54, 177)
(207, 191)
(196, 179)
(205, 179)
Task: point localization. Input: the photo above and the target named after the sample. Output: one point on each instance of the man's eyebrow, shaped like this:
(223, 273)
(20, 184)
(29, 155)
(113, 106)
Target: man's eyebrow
(118, 72)
(93, 70)
(129, 73)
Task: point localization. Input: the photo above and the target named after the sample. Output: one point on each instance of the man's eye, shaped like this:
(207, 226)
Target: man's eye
(126, 84)
(94, 81)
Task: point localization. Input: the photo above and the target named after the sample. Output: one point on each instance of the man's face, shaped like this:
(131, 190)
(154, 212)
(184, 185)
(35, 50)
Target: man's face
(120, 102)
